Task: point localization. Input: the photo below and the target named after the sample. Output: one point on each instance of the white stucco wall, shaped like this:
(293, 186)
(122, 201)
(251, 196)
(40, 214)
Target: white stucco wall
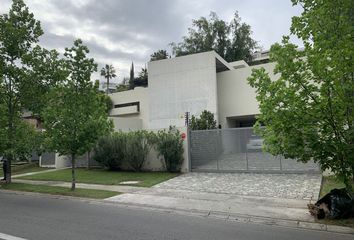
(179, 85)
(135, 120)
(235, 96)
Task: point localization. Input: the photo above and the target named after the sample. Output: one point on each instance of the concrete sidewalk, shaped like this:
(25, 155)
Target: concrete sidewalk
(114, 188)
(35, 173)
(224, 205)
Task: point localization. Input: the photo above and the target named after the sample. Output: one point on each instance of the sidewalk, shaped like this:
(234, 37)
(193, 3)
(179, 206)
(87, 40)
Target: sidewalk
(115, 188)
(34, 173)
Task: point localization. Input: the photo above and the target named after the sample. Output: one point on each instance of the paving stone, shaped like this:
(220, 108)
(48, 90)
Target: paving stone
(293, 186)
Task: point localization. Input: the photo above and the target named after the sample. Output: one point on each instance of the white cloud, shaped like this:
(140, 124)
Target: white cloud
(120, 31)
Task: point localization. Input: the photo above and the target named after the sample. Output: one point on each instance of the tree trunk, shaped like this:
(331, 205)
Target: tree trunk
(73, 180)
(8, 169)
(88, 160)
(107, 86)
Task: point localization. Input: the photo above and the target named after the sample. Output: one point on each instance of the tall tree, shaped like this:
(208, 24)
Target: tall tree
(159, 55)
(205, 121)
(108, 72)
(241, 44)
(19, 35)
(308, 110)
(142, 79)
(75, 116)
(231, 41)
(131, 79)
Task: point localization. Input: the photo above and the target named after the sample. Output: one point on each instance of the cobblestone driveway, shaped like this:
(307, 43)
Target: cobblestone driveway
(293, 186)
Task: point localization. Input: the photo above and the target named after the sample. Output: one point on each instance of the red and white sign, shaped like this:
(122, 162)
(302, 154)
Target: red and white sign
(183, 136)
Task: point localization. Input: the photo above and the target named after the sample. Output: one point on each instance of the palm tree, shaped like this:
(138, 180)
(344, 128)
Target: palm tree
(108, 72)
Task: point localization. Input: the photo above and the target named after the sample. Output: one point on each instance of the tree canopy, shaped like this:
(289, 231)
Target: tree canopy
(232, 41)
(159, 55)
(75, 116)
(23, 77)
(203, 122)
(308, 109)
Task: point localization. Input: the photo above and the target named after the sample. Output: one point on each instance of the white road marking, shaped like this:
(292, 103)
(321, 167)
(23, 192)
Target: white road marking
(4, 236)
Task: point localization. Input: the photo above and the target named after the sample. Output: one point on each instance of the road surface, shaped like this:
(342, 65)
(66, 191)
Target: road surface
(38, 217)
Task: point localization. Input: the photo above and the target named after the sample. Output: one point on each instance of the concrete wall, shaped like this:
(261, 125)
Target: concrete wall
(127, 124)
(62, 161)
(235, 96)
(136, 120)
(179, 85)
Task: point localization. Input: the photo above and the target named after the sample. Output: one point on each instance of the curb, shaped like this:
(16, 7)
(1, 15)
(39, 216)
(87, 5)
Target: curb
(243, 218)
(204, 214)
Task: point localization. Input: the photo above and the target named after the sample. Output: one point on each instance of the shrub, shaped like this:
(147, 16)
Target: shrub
(109, 150)
(138, 145)
(169, 144)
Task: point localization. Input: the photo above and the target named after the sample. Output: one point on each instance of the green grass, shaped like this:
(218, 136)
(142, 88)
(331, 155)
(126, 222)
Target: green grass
(328, 184)
(99, 176)
(24, 168)
(79, 192)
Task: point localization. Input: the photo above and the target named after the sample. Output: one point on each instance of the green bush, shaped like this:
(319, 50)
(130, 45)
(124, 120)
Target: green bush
(138, 145)
(109, 150)
(169, 145)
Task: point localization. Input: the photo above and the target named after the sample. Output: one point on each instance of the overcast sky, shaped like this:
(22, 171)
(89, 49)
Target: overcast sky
(121, 31)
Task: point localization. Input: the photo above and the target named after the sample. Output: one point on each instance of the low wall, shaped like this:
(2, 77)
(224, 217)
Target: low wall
(153, 162)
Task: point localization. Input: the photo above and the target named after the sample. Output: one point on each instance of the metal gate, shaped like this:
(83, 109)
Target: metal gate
(238, 150)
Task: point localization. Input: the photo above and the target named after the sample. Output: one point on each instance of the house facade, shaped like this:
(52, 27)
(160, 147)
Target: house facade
(193, 83)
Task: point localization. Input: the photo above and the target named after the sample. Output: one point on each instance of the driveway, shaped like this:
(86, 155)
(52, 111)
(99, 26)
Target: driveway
(271, 196)
(288, 186)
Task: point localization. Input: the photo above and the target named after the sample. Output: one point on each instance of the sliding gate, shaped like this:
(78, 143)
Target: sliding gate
(238, 150)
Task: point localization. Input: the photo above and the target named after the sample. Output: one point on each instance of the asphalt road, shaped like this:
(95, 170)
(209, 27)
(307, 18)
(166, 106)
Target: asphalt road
(45, 218)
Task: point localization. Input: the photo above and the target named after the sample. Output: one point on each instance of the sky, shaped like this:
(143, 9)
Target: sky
(121, 31)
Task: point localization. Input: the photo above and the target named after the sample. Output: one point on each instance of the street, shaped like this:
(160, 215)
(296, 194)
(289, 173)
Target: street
(38, 217)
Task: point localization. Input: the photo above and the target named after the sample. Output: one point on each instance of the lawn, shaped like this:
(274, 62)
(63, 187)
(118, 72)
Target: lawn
(24, 168)
(99, 176)
(328, 184)
(79, 192)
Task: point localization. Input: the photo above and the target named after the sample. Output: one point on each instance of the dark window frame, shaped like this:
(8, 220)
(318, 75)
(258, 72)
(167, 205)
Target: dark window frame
(123, 105)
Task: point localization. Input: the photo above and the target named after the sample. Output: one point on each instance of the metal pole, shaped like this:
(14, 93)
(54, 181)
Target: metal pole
(246, 159)
(189, 135)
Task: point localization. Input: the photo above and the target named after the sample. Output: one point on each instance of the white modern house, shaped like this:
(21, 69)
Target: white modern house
(193, 83)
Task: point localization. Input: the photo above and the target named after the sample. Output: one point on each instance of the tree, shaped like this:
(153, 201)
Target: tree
(205, 121)
(142, 79)
(19, 35)
(308, 110)
(75, 116)
(131, 79)
(159, 55)
(108, 72)
(231, 41)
